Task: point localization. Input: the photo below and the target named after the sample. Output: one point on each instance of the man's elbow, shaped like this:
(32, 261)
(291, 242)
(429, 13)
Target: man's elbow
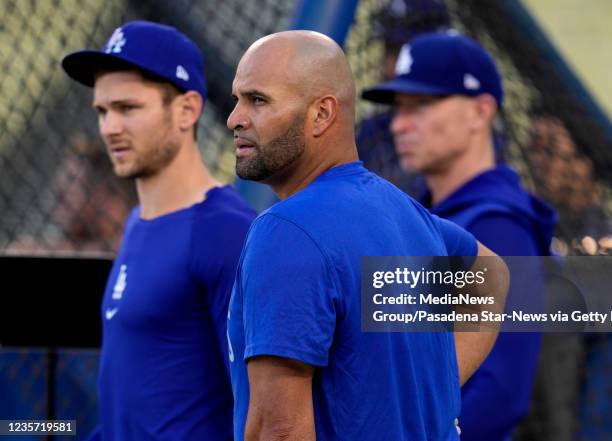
(498, 276)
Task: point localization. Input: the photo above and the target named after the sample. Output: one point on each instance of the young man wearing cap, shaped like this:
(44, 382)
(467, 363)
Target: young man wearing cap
(446, 93)
(163, 370)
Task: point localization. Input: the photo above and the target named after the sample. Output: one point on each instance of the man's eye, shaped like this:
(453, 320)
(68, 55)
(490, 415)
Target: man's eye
(258, 100)
(127, 107)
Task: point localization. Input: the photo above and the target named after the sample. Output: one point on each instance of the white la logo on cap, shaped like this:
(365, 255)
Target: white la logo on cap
(115, 42)
(471, 82)
(404, 61)
(182, 73)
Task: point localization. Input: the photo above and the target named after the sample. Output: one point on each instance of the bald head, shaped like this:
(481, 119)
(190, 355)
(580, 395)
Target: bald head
(310, 63)
(294, 113)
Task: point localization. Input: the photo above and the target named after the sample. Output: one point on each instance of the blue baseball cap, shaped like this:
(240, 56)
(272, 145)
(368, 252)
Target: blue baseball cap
(441, 63)
(153, 48)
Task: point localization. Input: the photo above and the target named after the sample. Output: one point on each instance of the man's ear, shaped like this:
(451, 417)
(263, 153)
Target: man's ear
(190, 108)
(324, 112)
(485, 110)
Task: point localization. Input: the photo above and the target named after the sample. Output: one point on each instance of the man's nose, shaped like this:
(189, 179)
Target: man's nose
(238, 120)
(401, 122)
(110, 124)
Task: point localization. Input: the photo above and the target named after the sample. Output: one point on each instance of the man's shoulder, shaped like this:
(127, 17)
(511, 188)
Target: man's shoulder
(280, 222)
(274, 238)
(285, 231)
(222, 205)
(221, 222)
(496, 192)
(336, 214)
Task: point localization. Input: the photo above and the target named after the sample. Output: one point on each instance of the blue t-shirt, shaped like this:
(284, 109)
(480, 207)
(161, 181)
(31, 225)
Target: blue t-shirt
(297, 295)
(163, 371)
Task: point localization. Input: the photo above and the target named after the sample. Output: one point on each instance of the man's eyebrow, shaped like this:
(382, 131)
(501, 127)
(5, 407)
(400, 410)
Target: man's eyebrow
(254, 92)
(116, 102)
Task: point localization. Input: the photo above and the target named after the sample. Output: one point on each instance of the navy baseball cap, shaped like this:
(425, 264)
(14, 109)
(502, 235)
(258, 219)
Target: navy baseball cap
(153, 48)
(441, 63)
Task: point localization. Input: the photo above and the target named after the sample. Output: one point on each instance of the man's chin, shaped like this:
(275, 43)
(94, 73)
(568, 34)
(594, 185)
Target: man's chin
(247, 170)
(250, 175)
(409, 166)
(125, 173)
(247, 176)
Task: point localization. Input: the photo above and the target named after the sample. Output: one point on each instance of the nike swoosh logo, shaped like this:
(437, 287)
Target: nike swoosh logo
(110, 313)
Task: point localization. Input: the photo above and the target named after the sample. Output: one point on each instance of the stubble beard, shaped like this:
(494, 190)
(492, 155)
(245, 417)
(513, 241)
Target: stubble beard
(160, 152)
(274, 156)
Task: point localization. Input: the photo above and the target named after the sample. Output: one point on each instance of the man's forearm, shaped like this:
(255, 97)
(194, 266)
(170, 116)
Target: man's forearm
(474, 341)
(280, 405)
(472, 349)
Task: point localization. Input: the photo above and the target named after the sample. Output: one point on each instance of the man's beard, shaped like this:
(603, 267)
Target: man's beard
(275, 156)
(150, 162)
(156, 159)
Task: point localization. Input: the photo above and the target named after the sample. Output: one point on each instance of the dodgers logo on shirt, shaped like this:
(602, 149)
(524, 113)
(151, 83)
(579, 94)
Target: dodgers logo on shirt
(121, 283)
(118, 289)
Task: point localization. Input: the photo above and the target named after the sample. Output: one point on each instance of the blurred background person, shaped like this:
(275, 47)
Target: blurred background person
(395, 24)
(90, 208)
(446, 93)
(566, 178)
(92, 204)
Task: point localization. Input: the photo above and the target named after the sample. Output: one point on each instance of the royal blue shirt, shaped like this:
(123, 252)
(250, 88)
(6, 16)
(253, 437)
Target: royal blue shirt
(297, 295)
(163, 371)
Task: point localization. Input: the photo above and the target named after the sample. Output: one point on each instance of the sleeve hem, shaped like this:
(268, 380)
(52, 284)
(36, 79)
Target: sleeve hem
(285, 352)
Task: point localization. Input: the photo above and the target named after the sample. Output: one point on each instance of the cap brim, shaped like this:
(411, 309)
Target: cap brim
(82, 66)
(384, 93)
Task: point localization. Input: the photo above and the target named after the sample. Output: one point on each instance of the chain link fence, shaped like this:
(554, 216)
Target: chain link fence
(58, 194)
(57, 191)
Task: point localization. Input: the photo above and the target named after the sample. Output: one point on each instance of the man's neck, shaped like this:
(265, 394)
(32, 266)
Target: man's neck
(444, 182)
(300, 175)
(181, 184)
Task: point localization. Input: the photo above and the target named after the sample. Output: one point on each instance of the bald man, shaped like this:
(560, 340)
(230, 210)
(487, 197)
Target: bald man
(301, 367)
